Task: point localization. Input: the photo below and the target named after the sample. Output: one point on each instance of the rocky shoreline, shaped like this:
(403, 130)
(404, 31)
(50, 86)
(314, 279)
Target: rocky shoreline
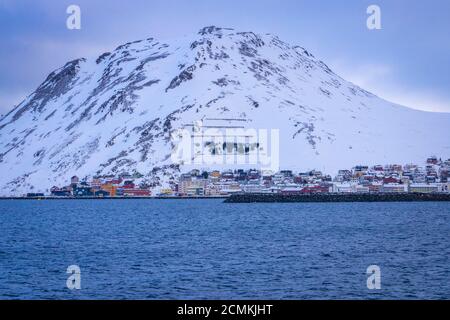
(338, 197)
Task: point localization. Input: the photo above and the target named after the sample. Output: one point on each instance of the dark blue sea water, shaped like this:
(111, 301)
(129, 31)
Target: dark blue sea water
(205, 249)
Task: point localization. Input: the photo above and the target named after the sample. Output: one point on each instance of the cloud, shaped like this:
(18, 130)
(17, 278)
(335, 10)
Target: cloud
(421, 100)
(368, 75)
(384, 81)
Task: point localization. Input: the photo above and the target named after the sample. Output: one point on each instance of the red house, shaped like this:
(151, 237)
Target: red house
(316, 189)
(390, 180)
(132, 192)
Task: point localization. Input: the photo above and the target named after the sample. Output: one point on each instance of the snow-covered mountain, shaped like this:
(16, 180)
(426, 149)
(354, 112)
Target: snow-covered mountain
(116, 113)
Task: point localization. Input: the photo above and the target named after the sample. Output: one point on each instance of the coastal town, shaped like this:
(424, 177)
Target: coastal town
(432, 177)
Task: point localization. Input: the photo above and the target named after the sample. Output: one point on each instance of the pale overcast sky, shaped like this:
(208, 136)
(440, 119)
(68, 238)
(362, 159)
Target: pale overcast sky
(407, 61)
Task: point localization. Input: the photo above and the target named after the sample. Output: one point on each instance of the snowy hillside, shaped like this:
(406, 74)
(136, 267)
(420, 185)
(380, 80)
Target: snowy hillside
(116, 113)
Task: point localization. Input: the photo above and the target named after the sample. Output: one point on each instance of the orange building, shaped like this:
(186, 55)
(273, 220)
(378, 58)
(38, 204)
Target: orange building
(111, 188)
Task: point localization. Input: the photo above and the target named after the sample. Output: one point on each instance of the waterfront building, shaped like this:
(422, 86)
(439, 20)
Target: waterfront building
(166, 192)
(136, 192)
(291, 190)
(60, 192)
(362, 189)
(83, 191)
(423, 188)
(253, 187)
(110, 188)
(394, 188)
(193, 187)
(343, 187)
(228, 187)
(317, 189)
(35, 195)
(100, 193)
(375, 187)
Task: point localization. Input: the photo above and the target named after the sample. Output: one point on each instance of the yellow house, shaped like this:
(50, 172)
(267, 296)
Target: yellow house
(167, 192)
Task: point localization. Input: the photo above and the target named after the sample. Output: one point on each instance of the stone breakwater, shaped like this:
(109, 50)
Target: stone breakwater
(337, 197)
